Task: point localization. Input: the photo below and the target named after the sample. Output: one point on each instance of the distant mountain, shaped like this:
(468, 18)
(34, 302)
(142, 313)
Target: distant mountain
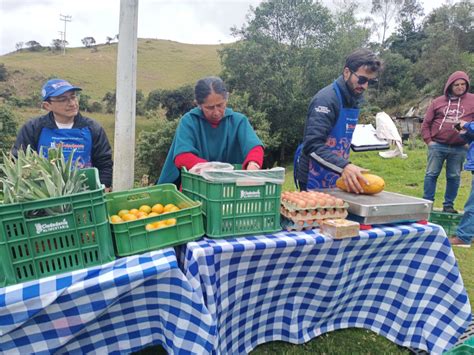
(161, 64)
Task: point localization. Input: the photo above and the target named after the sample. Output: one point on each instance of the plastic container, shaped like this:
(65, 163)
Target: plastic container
(35, 247)
(133, 238)
(466, 348)
(449, 221)
(232, 209)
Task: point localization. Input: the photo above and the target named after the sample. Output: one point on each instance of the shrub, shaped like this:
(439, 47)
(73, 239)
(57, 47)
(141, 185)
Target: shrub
(84, 103)
(8, 129)
(95, 107)
(3, 72)
(153, 147)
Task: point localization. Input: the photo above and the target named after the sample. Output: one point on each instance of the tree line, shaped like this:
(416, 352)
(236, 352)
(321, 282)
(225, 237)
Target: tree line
(288, 50)
(57, 44)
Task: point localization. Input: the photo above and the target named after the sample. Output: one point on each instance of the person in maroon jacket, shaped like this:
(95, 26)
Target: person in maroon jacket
(443, 140)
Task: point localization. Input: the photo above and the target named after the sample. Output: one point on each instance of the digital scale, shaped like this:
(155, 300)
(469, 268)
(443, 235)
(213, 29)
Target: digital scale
(384, 207)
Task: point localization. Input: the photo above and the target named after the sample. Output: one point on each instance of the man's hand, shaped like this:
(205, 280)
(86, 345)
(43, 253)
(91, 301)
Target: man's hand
(108, 189)
(462, 123)
(352, 175)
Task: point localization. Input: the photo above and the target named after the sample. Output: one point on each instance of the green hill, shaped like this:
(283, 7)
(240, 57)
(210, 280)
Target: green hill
(161, 64)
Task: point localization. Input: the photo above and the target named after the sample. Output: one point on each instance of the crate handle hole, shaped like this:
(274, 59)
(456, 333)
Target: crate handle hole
(140, 196)
(47, 212)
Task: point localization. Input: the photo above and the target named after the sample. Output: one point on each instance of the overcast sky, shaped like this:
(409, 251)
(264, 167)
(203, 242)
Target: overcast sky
(186, 21)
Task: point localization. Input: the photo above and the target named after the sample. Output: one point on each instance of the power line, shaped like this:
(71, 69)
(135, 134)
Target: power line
(65, 18)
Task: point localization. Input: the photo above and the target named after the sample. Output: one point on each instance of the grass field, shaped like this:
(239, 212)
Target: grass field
(161, 64)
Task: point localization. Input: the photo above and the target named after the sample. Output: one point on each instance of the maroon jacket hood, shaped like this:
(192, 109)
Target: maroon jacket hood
(452, 78)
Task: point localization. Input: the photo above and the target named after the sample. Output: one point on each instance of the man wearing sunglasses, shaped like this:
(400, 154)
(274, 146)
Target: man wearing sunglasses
(63, 124)
(332, 116)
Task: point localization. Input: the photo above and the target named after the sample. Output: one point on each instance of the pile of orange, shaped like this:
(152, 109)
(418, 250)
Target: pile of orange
(146, 211)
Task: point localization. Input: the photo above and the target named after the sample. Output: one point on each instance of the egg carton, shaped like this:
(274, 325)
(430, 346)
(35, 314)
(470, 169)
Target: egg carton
(314, 213)
(291, 225)
(293, 207)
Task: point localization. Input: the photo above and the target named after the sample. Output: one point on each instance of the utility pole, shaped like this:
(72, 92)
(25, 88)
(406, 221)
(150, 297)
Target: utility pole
(65, 18)
(124, 143)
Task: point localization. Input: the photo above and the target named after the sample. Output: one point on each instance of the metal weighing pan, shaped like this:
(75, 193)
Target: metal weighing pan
(384, 207)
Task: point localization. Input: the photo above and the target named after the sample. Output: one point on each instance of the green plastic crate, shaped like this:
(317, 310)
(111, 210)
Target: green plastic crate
(449, 221)
(32, 248)
(231, 210)
(466, 348)
(133, 238)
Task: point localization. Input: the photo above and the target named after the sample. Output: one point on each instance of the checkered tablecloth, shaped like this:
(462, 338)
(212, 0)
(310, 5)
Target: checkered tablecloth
(118, 307)
(400, 281)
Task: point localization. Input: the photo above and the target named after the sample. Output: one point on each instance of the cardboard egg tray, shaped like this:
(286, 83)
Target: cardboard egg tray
(294, 213)
(298, 220)
(291, 225)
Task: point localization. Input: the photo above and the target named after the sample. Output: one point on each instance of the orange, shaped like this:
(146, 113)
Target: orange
(115, 219)
(129, 217)
(145, 208)
(133, 211)
(153, 214)
(158, 208)
(159, 224)
(150, 227)
(173, 209)
(170, 222)
(141, 214)
(169, 207)
(122, 212)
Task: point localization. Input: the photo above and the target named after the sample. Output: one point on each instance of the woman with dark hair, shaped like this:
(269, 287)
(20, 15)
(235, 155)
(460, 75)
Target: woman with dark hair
(212, 132)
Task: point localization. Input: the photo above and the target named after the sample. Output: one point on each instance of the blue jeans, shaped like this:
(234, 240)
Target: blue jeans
(454, 156)
(465, 230)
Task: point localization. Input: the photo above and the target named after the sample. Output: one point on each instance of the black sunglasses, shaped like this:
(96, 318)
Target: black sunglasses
(361, 80)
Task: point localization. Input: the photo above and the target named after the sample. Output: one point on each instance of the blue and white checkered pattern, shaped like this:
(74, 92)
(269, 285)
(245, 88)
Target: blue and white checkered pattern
(400, 281)
(118, 307)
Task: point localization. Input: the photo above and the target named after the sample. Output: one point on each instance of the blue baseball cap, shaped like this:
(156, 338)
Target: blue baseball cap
(56, 87)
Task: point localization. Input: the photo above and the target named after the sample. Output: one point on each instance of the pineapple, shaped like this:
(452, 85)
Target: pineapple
(31, 177)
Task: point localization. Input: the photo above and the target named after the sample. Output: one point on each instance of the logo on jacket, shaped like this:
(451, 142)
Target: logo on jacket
(454, 114)
(322, 109)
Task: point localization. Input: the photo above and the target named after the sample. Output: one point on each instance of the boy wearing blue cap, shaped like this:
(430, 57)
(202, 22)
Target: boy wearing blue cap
(66, 126)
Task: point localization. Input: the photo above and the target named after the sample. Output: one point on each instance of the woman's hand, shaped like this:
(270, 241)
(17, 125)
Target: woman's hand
(253, 166)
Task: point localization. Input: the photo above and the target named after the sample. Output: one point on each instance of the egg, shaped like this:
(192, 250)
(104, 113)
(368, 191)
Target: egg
(300, 203)
(311, 203)
(322, 201)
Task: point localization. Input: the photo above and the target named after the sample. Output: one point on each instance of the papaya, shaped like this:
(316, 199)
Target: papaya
(376, 184)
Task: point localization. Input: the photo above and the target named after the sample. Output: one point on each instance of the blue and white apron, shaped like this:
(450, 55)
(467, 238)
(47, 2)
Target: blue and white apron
(339, 141)
(79, 139)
